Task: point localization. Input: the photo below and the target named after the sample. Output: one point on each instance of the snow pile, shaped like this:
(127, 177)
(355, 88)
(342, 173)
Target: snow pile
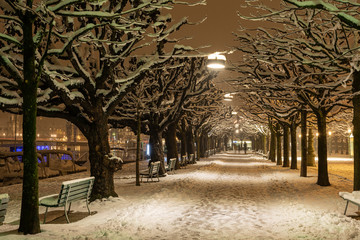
(223, 197)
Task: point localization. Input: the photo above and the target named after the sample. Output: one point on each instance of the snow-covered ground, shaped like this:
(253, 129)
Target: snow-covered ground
(227, 196)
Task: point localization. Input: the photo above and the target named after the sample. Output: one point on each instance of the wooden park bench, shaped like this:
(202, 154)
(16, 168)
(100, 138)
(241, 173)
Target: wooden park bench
(4, 199)
(71, 191)
(353, 197)
(151, 172)
(171, 165)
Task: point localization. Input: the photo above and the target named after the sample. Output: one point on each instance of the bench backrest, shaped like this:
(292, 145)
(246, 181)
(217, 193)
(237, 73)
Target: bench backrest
(4, 199)
(75, 190)
(154, 168)
(172, 163)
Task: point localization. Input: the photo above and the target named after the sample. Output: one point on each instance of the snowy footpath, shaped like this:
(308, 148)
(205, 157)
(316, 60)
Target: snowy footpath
(227, 196)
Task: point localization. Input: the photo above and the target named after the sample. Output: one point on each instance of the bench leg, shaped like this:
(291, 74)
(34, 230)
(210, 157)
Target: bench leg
(69, 208)
(347, 204)
(45, 215)
(66, 215)
(87, 205)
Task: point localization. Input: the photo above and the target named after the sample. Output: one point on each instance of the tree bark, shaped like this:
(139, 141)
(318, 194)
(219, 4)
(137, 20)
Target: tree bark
(183, 138)
(278, 141)
(323, 177)
(171, 143)
(356, 129)
(272, 152)
(190, 141)
(226, 140)
(156, 149)
(310, 149)
(293, 164)
(286, 145)
(138, 146)
(29, 217)
(303, 170)
(102, 167)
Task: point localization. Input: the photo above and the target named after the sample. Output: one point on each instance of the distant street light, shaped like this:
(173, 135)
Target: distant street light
(216, 61)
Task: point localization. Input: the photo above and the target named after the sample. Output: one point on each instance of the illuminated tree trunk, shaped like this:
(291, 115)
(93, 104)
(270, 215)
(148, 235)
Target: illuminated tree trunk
(323, 177)
(293, 164)
(286, 145)
(29, 217)
(356, 130)
(310, 149)
(303, 170)
(171, 144)
(102, 168)
(156, 149)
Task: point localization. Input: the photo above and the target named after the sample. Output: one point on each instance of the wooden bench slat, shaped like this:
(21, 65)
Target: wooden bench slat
(3, 206)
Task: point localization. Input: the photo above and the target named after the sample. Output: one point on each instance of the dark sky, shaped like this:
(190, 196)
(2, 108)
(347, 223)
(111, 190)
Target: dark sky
(216, 30)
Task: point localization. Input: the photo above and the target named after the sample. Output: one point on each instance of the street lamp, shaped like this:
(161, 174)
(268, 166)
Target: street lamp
(216, 61)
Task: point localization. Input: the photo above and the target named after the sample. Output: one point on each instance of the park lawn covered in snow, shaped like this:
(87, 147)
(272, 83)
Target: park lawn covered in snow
(227, 196)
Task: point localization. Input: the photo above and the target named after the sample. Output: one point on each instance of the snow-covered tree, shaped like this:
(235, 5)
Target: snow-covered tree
(88, 70)
(169, 90)
(348, 13)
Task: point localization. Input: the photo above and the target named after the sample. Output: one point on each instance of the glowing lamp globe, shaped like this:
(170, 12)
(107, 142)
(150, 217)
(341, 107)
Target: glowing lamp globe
(216, 61)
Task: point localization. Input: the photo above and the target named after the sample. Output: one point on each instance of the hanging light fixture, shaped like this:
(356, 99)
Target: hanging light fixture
(216, 61)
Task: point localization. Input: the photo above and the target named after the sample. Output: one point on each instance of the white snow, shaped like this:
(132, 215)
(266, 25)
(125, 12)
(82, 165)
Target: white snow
(227, 196)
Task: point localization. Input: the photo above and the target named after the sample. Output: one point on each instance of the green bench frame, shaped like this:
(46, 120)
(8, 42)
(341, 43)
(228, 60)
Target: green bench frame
(151, 172)
(71, 191)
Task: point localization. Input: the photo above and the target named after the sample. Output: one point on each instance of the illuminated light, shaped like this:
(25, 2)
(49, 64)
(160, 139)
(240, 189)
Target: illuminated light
(233, 113)
(4, 134)
(216, 61)
(299, 135)
(237, 131)
(53, 135)
(236, 125)
(317, 134)
(349, 130)
(330, 133)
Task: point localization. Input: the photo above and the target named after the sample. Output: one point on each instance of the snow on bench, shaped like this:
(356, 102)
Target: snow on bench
(353, 197)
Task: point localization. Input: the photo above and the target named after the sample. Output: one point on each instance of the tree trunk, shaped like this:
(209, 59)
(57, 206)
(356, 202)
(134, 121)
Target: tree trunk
(171, 144)
(356, 130)
(102, 168)
(310, 149)
(226, 140)
(203, 144)
(286, 146)
(293, 164)
(156, 149)
(183, 138)
(29, 217)
(190, 141)
(138, 147)
(278, 141)
(272, 152)
(197, 137)
(303, 170)
(323, 177)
